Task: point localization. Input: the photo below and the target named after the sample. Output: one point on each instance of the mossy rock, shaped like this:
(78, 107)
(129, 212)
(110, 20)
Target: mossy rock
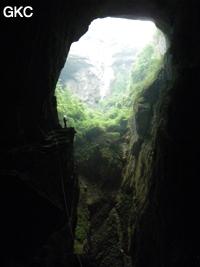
(93, 133)
(113, 128)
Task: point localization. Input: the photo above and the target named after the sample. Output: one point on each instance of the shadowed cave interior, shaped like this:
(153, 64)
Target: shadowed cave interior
(158, 204)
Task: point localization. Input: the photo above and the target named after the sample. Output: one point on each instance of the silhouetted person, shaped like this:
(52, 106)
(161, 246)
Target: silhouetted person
(65, 121)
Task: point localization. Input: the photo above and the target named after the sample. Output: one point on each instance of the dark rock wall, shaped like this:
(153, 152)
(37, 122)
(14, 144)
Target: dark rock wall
(161, 174)
(165, 229)
(33, 56)
(34, 51)
(175, 194)
(39, 196)
(101, 228)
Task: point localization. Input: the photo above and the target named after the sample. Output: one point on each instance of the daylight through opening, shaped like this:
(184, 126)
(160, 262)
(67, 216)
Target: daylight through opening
(105, 70)
(103, 93)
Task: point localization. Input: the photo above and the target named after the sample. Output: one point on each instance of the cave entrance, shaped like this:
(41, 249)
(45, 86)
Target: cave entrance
(104, 75)
(105, 69)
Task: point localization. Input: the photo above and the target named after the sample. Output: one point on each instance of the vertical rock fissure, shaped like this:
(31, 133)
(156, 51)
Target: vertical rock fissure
(161, 202)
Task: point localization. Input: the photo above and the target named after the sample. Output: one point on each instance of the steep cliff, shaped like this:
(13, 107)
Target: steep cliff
(165, 230)
(101, 55)
(104, 57)
(39, 196)
(112, 169)
(164, 223)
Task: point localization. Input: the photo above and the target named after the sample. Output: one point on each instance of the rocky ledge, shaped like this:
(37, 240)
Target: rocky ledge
(39, 194)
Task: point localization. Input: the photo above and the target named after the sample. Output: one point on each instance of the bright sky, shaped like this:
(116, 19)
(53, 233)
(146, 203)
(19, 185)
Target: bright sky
(134, 32)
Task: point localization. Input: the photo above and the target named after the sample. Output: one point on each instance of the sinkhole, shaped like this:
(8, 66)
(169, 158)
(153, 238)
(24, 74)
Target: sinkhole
(106, 69)
(106, 92)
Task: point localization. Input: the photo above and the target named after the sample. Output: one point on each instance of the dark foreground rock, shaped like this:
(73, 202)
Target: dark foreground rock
(39, 194)
(163, 183)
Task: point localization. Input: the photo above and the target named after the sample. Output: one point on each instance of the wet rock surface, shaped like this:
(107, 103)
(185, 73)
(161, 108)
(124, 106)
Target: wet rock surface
(163, 182)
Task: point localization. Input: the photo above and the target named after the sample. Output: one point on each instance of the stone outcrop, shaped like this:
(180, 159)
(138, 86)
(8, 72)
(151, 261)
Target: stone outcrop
(165, 230)
(39, 196)
(91, 80)
(95, 62)
(103, 210)
(164, 218)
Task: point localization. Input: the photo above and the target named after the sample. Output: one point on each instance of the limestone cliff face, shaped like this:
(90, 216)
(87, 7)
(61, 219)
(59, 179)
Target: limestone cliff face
(114, 171)
(91, 80)
(160, 203)
(97, 59)
(166, 226)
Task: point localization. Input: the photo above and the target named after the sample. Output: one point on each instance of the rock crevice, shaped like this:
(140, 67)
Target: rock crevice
(163, 181)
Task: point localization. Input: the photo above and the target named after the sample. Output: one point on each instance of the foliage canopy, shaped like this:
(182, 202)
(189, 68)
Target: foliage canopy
(115, 110)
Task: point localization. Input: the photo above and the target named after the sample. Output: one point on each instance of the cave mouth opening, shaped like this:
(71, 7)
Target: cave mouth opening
(106, 70)
(98, 86)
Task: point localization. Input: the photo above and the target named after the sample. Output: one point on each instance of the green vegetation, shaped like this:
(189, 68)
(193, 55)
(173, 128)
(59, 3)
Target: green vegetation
(146, 67)
(110, 247)
(114, 112)
(104, 223)
(125, 208)
(86, 121)
(82, 222)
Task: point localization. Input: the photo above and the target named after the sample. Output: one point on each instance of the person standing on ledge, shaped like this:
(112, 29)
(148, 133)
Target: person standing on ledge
(65, 121)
